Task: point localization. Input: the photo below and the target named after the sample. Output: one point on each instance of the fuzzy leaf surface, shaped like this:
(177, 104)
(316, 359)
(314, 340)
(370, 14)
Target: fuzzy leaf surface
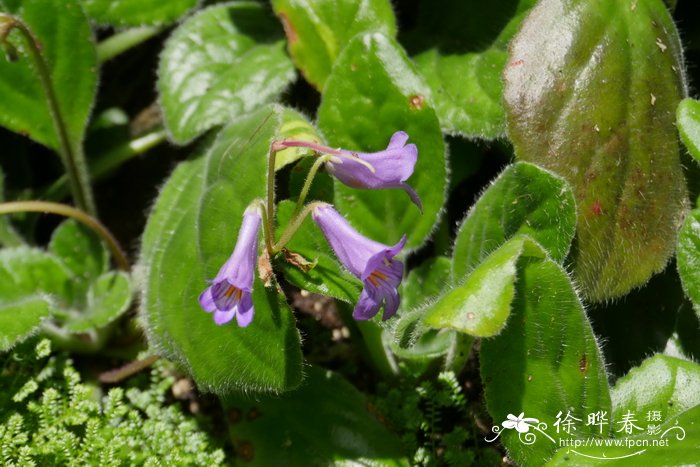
(688, 257)
(688, 121)
(137, 12)
(591, 90)
(222, 62)
(67, 45)
(524, 199)
(317, 31)
(545, 360)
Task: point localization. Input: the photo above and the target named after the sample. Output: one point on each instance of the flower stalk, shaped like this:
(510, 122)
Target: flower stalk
(81, 216)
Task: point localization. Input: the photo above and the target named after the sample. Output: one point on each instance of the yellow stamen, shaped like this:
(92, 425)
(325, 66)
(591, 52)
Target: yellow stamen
(377, 276)
(233, 289)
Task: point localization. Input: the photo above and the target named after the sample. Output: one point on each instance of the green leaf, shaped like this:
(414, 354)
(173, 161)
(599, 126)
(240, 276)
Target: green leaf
(545, 360)
(107, 299)
(375, 85)
(480, 306)
(295, 126)
(283, 431)
(137, 12)
(665, 384)
(317, 31)
(688, 257)
(462, 56)
(688, 122)
(524, 199)
(593, 99)
(68, 47)
(33, 285)
(80, 250)
(20, 319)
(327, 277)
(676, 444)
(190, 234)
(467, 90)
(224, 61)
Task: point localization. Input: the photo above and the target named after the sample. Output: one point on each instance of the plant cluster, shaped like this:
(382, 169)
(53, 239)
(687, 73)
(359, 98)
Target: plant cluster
(494, 196)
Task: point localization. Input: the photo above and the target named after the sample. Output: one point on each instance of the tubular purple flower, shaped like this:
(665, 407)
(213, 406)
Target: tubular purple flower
(230, 292)
(391, 167)
(371, 261)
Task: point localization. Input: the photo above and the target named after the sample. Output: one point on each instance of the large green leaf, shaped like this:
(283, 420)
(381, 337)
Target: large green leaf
(327, 277)
(480, 305)
(675, 444)
(68, 47)
(137, 12)
(688, 257)
(545, 361)
(591, 93)
(33, 284)
(688, 121)
(524, 199)
(283, 431)
(662, 384)
(297, 127)
(374, 84)
(190, 234)
(317, 30)
(224, 61)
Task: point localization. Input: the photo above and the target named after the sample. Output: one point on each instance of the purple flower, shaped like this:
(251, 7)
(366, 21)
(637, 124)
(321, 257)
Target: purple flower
(371, 261)
(229, 294)
(392, 167)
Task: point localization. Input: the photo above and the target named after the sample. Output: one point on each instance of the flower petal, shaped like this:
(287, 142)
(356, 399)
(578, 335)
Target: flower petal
(367, 306)
(391, 303)
(398, 140)
(245, 310)
(522, 427)
(206, 301)
(224, 316)
(509, 424)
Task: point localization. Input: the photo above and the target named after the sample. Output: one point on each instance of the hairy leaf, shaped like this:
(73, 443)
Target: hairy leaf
(68, 48)
(591, 93)
(545, 361)
(224, 61)
(317, 31)
(137, 12)
(688, 121)
(524, 199)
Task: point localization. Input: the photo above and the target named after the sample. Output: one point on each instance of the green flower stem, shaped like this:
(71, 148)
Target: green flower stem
(307, 183)
(71, 152)
(458, 353)
(292, 227)
(125, 40)
(269, 219)
(111, 160)
(77, 214)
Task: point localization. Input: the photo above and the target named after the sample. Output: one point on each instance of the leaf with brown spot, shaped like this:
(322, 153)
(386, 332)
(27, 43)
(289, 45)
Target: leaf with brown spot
(579, 105)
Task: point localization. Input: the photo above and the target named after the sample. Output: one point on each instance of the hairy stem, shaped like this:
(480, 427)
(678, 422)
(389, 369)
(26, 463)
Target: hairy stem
(77, 214)
(122, 41)
(293, 226)
(269, 218)
(307, 183)
(71, 152)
